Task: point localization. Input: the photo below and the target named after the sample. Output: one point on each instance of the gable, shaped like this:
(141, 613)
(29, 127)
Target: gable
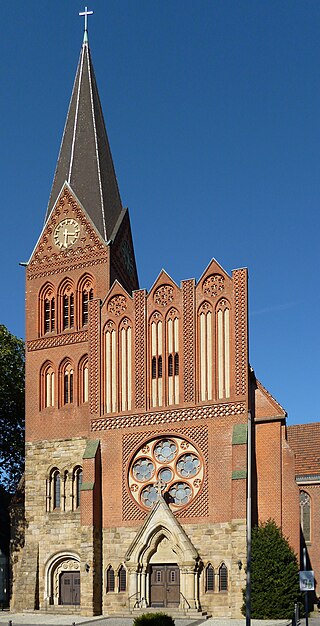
(56, 250)
(266, 407)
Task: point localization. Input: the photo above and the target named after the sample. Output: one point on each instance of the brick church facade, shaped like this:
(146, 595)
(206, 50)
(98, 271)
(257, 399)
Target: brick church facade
(136, 411)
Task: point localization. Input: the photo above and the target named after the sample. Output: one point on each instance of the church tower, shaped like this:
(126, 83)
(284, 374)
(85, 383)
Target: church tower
(136, 410)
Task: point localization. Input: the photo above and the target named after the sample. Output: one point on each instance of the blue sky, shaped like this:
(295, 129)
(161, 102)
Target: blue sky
(212, 111)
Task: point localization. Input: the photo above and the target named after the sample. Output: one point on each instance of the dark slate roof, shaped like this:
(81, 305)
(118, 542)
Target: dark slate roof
(85, 160)
(304, 439)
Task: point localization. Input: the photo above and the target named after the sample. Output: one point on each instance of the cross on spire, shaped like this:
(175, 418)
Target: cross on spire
(85, 13)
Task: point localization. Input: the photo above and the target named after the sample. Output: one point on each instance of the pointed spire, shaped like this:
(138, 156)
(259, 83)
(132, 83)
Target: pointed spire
(85, 160)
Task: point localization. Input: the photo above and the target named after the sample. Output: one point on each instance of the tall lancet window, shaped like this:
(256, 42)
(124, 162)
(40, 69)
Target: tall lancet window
(110, 368)
(85, 294)
(156, 331)
(47, 316)
(47, 387)
(66, 383)
(223, 348)
(125, 374)
(66, 305)
(83, 380)
(172, 328)
(205, 323)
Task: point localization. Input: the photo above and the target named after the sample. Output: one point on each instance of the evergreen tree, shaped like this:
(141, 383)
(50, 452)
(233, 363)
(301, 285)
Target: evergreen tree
(11, 409)
(274, 574)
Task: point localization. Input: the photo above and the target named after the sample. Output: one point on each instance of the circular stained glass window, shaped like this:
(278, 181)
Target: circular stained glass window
(188, 465)
(170, 467)
(166, 474)
(165, 451)
(181, 493)
(143, 469)
(149, 495)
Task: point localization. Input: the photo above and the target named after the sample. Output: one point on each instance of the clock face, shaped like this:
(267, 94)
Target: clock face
(66, 233)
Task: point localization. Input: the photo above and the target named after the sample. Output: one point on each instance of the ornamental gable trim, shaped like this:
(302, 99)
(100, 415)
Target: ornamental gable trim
(76, 243)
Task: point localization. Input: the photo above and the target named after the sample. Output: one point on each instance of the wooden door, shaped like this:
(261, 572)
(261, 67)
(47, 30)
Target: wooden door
(164, 586)
(70, 588)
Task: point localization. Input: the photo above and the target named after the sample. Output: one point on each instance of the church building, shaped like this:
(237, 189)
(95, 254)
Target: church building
(137, 410)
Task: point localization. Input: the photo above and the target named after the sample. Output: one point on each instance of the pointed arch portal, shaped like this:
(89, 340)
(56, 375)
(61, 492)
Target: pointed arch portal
(162, 563)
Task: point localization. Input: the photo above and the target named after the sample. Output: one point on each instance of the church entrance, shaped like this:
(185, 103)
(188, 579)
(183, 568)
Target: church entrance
(70, 588)
(164, 586)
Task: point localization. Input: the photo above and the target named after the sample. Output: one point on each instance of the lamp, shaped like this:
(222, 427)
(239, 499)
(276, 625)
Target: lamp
(239, 563)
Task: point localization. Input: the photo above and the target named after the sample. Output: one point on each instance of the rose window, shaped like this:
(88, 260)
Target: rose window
(168, 465)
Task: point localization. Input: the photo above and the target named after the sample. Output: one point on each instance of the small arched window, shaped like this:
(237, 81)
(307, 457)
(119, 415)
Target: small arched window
(122, 578)
(85, 294)
(66, 305)
(110, 579)
(47, 386)
(83, 380)
(305, 515)
(77, 486)
(47, 316)
(56, 489)
(67, 384)
(209, 578)
(223, 577)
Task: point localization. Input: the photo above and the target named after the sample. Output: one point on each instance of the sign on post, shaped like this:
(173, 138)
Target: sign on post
(306, 580)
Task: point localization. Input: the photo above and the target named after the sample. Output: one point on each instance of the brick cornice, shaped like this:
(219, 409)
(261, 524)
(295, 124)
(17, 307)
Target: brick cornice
(169, 416)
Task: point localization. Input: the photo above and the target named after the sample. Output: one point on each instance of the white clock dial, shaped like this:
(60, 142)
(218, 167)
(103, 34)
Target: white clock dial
(66, 233)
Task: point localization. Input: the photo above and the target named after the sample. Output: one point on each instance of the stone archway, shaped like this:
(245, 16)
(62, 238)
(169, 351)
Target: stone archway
(161, 540)
(64, 565)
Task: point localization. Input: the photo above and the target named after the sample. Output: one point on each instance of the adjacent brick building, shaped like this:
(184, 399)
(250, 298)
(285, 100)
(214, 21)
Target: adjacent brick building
(136, 411)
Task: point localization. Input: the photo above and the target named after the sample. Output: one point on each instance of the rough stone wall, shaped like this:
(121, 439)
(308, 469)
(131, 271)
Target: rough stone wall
(46, 532)
(216, 543)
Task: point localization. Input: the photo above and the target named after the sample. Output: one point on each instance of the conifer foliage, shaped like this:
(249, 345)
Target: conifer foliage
(274, 574)
(11, 409)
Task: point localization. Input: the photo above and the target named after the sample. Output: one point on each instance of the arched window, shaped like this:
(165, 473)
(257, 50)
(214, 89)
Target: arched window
(209, 578)
(111, 364)
(125, 373)
(223, 577)
(223, 348)
(122, 575)
(66, 305)
(77, 482)
(47, 386)
(66, 383)
(305, 515)
(172, 343)
(47, 309)
(205, 330)
(110, 579)
(83, 380)
(56, 490)
(156, 331)
(85, 294)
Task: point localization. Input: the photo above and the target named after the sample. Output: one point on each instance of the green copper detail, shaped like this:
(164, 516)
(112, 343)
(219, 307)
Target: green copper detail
(239, 474)
(239, 435)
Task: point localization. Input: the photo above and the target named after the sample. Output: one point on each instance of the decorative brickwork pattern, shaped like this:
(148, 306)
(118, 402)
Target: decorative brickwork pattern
(117, 305)
(188, 340)
(140, 351)
(168, 417)
(213, 285)
(240, 319)
(94, 356)
(163, 295)
(91, 250)
(199, 437)
(60, 340)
